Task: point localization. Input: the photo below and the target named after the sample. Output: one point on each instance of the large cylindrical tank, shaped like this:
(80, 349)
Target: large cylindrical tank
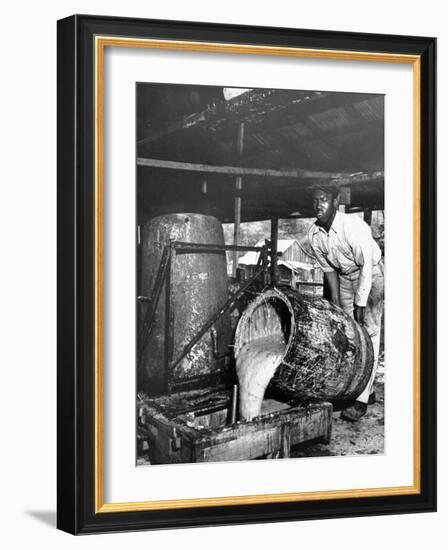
(327, 355)
(198, 289)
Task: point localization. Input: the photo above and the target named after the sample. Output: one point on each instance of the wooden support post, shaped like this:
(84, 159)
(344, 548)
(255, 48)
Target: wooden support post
(169, 324)
(274, 243)
(368, 216)
(238, 189)
(265, 263)
(204, 203)
(138, 253)
(345, 196)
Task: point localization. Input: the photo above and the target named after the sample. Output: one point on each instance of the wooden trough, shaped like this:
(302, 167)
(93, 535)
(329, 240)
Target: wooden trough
(194, 426)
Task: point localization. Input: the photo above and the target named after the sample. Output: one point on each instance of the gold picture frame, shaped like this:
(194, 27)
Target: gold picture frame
(80, 35)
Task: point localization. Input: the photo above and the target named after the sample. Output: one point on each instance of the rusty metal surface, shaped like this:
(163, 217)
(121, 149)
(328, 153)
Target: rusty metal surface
(199, 289)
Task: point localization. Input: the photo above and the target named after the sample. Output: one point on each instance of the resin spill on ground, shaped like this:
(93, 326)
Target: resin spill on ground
(255, 366)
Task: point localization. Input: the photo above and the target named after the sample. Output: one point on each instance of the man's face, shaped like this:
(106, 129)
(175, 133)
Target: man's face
(323, 205)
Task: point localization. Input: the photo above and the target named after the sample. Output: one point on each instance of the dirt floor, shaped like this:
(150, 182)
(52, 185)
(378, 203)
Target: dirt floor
(365, 437)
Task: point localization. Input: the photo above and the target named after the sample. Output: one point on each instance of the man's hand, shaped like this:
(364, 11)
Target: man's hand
(359, 314)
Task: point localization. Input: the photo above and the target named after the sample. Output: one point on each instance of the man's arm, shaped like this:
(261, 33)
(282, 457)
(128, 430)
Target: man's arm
(330, 274)
(332, 280)
(363, 253)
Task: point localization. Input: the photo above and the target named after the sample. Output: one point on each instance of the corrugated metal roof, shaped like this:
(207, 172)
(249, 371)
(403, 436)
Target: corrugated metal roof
(331, 119)
(371, 109)
(283, 129)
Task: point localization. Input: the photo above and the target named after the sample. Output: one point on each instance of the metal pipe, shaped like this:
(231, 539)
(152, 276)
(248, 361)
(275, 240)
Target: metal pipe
(214, 337)
(148, 321)
(201, 247)
(234, 402)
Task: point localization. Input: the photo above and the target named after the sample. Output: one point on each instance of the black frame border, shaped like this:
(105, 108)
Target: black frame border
(75, 272)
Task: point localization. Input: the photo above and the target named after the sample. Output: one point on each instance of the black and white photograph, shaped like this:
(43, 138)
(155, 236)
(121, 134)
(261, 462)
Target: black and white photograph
(260, 273)
(220, 296)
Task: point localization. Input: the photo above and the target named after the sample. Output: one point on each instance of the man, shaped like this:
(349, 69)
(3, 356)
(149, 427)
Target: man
(353, 271)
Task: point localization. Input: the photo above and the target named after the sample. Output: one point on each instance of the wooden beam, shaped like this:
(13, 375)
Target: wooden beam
(340, 177)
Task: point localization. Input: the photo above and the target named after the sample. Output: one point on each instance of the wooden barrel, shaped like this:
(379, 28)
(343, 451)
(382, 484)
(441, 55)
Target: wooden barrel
(198, 289)
(327, 354)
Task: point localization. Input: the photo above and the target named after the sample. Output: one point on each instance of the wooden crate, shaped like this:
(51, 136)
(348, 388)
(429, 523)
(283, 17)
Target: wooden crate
(194, 427)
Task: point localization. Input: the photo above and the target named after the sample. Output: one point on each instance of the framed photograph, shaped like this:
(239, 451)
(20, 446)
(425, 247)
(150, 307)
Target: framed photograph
(246, 274)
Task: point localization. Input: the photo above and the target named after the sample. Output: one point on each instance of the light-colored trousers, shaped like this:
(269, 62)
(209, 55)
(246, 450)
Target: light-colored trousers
(348, 286)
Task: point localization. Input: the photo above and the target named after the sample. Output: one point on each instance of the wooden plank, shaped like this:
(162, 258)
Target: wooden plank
(272, 435)
(342, 178)
(173, 441)
(285, 449)
(243, 448)
(161, 450)
(317, 424)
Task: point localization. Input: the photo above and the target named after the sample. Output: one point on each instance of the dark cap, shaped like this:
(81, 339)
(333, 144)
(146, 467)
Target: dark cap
(328, 187)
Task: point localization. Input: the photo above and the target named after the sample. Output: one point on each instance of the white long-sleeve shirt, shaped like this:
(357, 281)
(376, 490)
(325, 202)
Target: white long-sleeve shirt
(349, 249)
